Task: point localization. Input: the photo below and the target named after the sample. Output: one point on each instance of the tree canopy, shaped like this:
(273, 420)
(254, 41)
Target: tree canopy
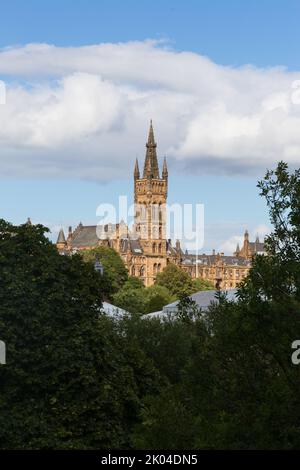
(71, 379)
(175, 280)
(115, 273)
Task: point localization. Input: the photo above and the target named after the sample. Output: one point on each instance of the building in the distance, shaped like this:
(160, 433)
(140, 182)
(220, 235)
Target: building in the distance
(145, 249)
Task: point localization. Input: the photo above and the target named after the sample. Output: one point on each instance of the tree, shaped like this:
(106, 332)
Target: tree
(202, 284)
(166, 423)
(277, 276)
(115, 273)
(156, 297)
(130, 299)
(72, 379)
(136, 298)
(187, 309)
(133, 283)
(251, 340)
(237, 387)
(175, 280)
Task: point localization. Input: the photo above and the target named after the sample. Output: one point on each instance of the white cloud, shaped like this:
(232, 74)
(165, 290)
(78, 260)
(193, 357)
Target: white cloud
(84, 111)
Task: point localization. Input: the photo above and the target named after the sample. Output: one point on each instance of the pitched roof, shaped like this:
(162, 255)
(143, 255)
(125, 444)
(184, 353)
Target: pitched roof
(88, 236)
(85, 236)
(135, 247)
(113, 311)
(202, 298)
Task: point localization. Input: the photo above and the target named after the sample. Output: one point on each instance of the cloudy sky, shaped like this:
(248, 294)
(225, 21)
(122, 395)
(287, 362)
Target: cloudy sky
(83, 79)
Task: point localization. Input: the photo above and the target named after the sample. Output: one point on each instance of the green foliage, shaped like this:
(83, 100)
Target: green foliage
(130, 299)
(175, 280)
(72, 380)
(156, 297)
(166, 423)
(131, 296)
(139, 299)
(238, 388)
(222, 379)
(202, 284)
(134, 283)
(187, 309)
(277, 276)
(115, 272)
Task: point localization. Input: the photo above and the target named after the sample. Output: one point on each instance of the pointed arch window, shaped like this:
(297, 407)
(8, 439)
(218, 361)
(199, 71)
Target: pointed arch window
(159, 212)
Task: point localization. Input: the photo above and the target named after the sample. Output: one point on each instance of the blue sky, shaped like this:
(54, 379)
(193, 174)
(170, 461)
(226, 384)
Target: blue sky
(237, 32)
(233, 34)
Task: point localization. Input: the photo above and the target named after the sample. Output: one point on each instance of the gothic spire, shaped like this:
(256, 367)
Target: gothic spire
(136, 169)
(151, 157)
(165, 169)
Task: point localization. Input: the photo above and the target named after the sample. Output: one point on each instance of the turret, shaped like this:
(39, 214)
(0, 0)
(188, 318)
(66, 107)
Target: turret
(246, 249)
(150, 197)
(136, 170)
(165, 169)
(61, 240)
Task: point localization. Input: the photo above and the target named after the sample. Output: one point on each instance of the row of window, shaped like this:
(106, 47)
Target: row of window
(230, 273)
(156, 247)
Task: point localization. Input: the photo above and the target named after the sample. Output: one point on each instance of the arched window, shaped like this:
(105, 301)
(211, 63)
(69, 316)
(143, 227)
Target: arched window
(154, 212)
(159, 248)
(142, 271)
(159, 212)
(133, 271)
(158, 267)
(153, 247)
(155, 268)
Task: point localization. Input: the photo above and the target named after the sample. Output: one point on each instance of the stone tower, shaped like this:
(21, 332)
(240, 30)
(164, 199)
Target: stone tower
(150, 197)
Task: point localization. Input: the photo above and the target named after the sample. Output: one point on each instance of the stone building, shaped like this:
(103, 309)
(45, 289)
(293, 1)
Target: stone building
(223, 271)
(145, 249)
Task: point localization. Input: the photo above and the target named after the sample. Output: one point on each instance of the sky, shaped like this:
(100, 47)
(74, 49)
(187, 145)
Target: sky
(220, 80)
